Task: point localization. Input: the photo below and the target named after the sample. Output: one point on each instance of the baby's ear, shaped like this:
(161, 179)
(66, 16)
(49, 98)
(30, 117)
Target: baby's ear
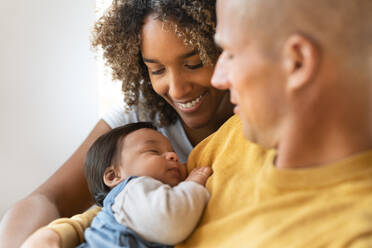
(112, 177)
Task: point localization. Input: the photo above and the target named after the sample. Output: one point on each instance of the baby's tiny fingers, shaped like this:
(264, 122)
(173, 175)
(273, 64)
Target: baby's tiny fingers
(205, 170)
(200, 175)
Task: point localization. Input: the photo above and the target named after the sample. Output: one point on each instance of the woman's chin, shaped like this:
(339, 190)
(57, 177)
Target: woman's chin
(196, 123)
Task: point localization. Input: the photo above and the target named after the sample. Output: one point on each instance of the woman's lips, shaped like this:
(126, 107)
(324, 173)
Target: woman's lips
(192, 105)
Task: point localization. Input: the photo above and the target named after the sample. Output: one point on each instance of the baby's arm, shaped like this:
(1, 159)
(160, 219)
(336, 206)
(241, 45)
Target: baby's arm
(160, 213)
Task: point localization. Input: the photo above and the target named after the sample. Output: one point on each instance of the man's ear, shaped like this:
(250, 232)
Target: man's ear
(112, 176)
(301, 60)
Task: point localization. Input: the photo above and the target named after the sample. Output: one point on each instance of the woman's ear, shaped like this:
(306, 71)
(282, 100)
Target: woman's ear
(112, 176)
(301, 60)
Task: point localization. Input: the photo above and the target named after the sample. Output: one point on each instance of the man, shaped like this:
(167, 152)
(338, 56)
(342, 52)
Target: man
(300, 74)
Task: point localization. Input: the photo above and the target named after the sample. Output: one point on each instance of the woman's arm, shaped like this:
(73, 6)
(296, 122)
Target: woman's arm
(64, 194)
(63, 232)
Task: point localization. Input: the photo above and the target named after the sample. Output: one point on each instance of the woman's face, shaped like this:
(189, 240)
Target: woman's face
(178, 75)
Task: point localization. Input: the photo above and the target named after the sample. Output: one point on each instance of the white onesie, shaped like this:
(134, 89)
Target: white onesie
(158, 212)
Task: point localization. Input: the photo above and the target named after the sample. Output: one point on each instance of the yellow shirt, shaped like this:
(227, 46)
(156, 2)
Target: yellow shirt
(253, 204)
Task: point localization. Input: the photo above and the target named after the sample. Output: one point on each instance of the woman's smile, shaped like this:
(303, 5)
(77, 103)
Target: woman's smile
(182, 78)
(192, 105)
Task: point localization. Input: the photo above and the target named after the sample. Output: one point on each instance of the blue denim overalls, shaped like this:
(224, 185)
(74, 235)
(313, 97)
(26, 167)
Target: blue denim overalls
(105, 231)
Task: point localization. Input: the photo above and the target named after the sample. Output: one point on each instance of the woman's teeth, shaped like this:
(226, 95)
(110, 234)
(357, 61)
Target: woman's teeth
(190, 104)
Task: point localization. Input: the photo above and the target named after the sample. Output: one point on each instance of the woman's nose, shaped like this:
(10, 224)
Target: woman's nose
(179, 85)
(171, 156)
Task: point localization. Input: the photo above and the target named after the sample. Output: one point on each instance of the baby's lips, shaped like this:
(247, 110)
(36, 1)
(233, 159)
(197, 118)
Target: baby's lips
(175, 171)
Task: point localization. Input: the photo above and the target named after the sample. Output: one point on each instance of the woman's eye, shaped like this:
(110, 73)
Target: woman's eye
(157, 72)
(193, 67)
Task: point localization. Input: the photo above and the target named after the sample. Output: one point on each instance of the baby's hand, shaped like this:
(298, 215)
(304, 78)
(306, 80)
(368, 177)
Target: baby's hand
(42, 238)
(200, 175)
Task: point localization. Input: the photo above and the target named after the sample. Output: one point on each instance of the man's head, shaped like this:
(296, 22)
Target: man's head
(135, 149)
(293, 61)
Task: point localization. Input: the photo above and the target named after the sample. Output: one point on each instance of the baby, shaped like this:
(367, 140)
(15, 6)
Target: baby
(147, 198)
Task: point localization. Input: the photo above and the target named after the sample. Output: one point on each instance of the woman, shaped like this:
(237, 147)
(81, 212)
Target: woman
(163, 52)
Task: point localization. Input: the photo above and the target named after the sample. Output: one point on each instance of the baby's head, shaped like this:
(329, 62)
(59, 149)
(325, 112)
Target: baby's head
(135, 149)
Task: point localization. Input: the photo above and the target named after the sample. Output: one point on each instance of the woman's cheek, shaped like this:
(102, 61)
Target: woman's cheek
(158, 86)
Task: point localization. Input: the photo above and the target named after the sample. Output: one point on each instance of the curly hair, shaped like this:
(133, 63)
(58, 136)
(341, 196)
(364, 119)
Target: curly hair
(118, 33)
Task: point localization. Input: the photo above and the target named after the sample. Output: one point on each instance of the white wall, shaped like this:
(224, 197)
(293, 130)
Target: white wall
(48, 89)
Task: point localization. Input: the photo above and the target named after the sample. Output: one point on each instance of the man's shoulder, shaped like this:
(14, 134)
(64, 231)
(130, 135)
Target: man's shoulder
(231, 129)
(227, 142)
(214, 143)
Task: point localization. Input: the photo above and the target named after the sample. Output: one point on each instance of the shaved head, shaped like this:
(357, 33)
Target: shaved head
(340, 26)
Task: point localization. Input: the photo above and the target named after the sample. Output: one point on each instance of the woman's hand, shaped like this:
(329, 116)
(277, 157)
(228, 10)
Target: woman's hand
(43, 238)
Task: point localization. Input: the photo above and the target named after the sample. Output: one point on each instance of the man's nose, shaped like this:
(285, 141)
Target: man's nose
(171, 156)
(220, 79)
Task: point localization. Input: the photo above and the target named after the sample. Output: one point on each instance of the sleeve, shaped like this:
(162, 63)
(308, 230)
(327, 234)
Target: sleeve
(71, 230)
(159, 213)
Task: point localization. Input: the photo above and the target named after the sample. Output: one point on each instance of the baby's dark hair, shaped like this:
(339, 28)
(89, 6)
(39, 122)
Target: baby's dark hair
(101, 154)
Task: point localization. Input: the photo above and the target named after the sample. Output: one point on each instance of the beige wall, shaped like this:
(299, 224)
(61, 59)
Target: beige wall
(48, 89)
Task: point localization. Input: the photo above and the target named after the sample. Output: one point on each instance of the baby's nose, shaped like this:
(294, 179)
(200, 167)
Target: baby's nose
(171, 156)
